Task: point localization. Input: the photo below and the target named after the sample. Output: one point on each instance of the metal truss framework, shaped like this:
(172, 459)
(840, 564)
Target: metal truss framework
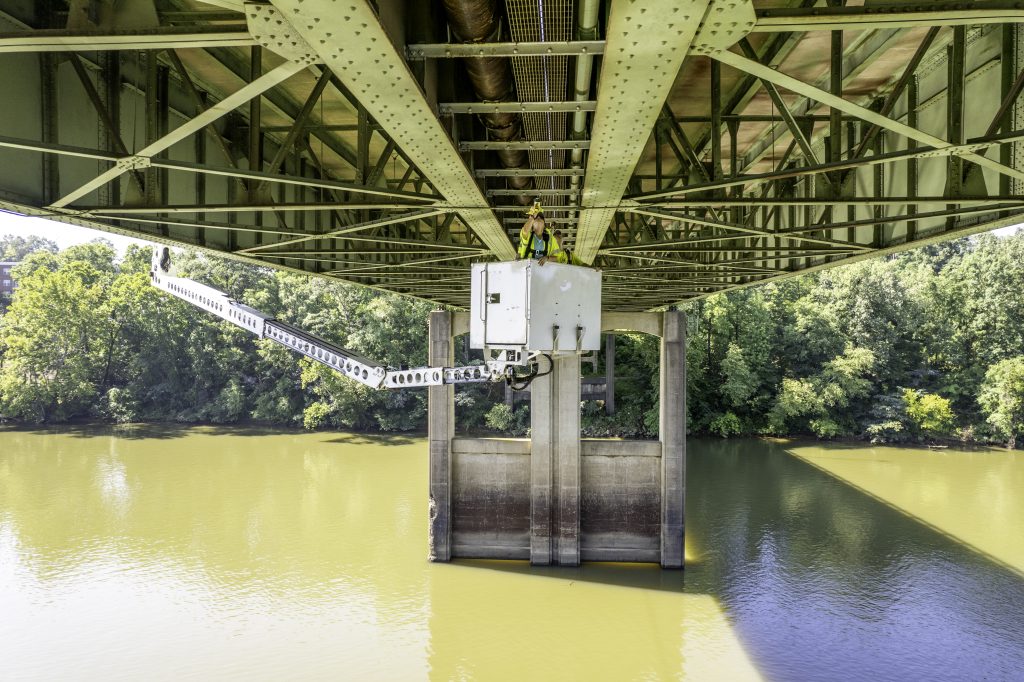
(321, 147)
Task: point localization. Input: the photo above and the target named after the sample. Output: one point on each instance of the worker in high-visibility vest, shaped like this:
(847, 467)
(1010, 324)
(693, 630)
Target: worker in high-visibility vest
(537, 241)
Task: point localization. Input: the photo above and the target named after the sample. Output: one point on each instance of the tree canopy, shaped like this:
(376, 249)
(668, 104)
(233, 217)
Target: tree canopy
(922, 345)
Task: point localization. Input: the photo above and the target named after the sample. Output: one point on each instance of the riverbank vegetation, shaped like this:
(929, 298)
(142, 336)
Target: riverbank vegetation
(923, 345)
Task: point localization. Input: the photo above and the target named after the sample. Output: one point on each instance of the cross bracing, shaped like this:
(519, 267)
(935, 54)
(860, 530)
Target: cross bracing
(709, 145)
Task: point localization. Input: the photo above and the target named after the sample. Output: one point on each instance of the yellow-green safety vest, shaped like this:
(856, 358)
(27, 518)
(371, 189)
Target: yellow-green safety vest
(526, 242)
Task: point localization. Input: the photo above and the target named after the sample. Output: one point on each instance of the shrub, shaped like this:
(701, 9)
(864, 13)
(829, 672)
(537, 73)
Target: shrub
(826, 428)
(121, 406)
(726, 425)
(1002, 398)
(928, 413)
(887, 422)
(503, 418)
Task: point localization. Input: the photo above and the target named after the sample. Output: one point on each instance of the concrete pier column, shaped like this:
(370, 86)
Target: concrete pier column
(441, 430)
(672, 430)
(609, 373)
(555, 465)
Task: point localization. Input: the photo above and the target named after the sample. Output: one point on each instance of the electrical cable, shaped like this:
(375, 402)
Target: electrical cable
(521, 383)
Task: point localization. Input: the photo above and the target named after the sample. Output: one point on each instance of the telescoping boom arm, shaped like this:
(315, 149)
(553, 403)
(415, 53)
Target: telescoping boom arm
(341, 360)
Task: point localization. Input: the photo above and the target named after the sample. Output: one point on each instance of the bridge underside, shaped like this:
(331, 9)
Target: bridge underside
(686, 147)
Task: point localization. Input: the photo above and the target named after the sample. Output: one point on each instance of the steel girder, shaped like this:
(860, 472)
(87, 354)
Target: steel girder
(367, 62)
(888, 16)
(698, 232)
(143, 158)
(60, 40)
(646, 44)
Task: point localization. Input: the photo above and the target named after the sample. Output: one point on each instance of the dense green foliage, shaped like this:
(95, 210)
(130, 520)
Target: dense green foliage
(924, 345)
(1002, 397)
(17, 248)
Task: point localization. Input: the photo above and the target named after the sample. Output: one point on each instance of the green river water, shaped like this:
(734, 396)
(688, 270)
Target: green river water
(199, 553)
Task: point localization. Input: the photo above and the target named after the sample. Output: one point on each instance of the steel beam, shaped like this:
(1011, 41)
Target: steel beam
(366, 61)
(742, 229)
(528, 172)
(856, 56)
(368, 225)
(533, 192)
(524, 49)
(784, 112)
(110, 124)
(1015, 219)
(646, 44)
(838, 201)
(239, 208)
(897, 91)
(143, 157)
(190, 167)
(513, 107)
(788, 82)
(527, 145)
(974, 145)
(888, 16)
(164, 38)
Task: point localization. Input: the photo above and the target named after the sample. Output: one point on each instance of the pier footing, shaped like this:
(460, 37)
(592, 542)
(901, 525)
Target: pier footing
(555, 499)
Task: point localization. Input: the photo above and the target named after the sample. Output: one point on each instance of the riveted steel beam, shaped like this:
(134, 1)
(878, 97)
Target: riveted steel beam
(357, 49)
(164, 38)
(533, 192)
(839, 201)
(741, 229)
(143, 157)
(528, 172)
(646, 44)
(888, 16)
(527, 145)
(524, 49)
(780, 104)
(794, 85)
(977, 228)
(240, 208)
(973, 145)
(513, 107)
(368, 225)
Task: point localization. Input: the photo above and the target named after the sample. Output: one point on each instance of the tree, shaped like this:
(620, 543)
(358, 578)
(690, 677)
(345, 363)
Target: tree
(740, 383)
(18, 248)
(823, 399)
(1002, 398)
(930, 414)
(55, 344)
(726, 425)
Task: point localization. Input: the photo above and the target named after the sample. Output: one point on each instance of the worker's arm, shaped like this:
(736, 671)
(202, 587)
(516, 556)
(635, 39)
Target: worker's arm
(556, 251)
(524, 238)
(527, 228)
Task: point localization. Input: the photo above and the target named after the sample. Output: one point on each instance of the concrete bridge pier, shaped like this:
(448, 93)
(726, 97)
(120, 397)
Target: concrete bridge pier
(555, 499)
(440, 432)
(555, 465)
(672, 434)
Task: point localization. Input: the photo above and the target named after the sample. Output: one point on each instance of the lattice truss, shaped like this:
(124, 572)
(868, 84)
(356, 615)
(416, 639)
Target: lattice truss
(724, 143)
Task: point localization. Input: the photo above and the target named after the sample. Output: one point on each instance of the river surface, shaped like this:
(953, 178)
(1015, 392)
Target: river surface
(201, 553)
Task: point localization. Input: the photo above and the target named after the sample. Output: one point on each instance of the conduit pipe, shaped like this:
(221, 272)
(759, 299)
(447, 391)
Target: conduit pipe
(586, 29)
(476, 21)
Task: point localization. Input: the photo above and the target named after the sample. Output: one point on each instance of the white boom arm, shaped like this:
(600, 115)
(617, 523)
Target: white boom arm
(339, 359)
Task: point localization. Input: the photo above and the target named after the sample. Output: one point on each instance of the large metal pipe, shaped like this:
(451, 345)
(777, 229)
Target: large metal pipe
(586, 29)
(476, 21)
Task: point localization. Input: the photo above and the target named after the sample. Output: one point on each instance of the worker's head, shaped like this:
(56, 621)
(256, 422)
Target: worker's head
(538, 224)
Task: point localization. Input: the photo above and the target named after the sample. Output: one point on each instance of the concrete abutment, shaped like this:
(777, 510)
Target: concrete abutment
(555, 499)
